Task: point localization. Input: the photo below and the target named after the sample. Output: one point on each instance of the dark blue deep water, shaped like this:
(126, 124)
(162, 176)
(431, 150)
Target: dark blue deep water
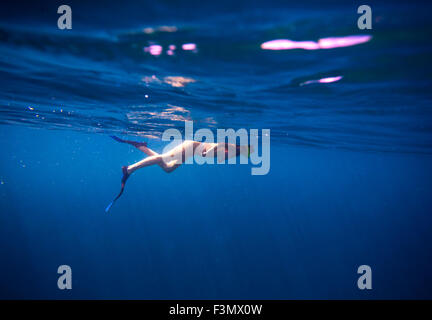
(351, 172)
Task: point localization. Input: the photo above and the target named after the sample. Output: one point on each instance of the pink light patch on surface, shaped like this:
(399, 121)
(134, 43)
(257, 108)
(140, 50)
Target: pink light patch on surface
(324, 43)
(153, 49)
(167, 28)
(330, 79)
(189, 46)
(323, 80)
(339, 42)
(285, 44)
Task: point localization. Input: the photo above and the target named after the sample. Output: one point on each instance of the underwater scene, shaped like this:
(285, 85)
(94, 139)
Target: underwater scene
(346, 112)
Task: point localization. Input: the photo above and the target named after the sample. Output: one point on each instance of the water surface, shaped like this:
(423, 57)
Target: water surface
(350, 177)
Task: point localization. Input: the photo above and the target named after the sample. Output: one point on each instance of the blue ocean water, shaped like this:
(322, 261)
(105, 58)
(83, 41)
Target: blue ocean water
(350, 179)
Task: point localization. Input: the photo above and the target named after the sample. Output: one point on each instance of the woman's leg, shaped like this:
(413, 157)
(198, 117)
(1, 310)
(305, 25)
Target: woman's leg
(142, 146)
(148, 151)
(149, 161)
(153, 158)
(170, 166)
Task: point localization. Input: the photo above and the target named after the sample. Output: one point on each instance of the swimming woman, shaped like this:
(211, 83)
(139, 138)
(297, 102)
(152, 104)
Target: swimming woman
(171, 160)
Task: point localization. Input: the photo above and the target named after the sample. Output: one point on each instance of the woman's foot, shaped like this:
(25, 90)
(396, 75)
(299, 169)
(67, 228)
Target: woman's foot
(126, 175)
